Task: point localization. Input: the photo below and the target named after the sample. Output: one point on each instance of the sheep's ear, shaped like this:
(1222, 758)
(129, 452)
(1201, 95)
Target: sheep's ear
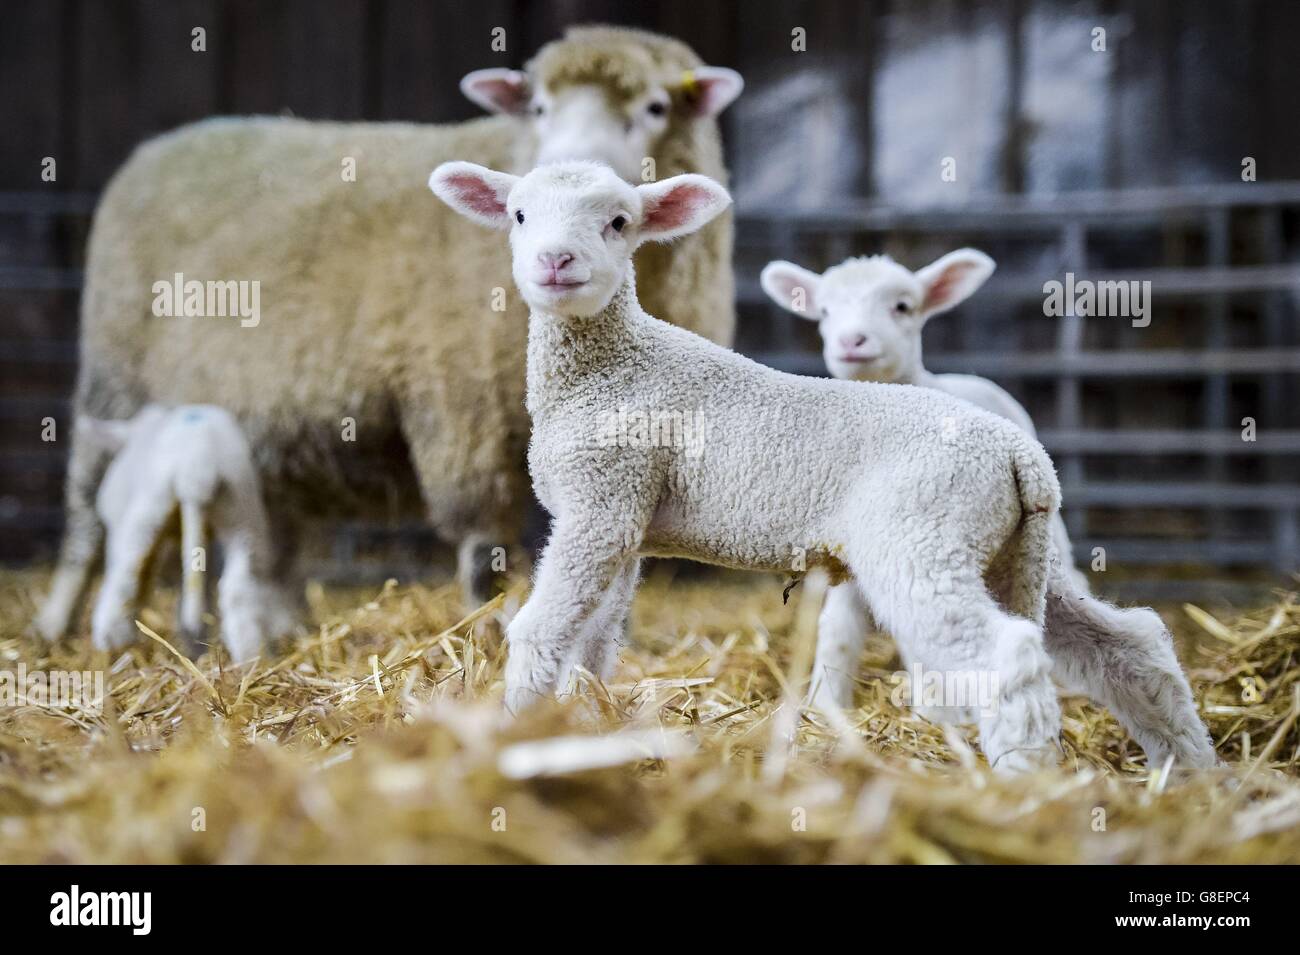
(476, 192)
(680, 205)
(792, 287)
(498, 90)
(952, 279)
(103, 434)
(711, 89)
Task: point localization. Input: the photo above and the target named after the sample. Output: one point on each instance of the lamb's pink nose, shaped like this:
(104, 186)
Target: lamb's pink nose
(554, 261)
(853, 341)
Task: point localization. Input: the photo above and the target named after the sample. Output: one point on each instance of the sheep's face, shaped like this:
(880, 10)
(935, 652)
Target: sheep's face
(620, 124)
(574, 225)
(870, 311)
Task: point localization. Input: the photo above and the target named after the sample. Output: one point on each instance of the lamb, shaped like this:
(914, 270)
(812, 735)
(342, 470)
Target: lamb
(385, 334)
(192, 461)
(870, 312)
(938, 511)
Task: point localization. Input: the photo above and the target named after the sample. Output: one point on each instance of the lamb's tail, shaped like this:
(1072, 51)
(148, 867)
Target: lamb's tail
(1029, 553)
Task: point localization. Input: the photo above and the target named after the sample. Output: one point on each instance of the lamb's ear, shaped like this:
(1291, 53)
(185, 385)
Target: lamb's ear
(711, 89)
(103, 433)
(953, 278)
(680, 205)
(498, 90)
(792, 287)
(476, 192)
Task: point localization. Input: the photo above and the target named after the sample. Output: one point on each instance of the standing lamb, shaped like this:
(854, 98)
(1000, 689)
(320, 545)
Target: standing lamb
(915, 495)
(385, 330)
(191, 462)
(870, 312)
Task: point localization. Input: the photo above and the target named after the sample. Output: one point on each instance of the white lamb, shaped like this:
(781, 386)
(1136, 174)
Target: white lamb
(870, 312)
(927, 502)
(192, 460)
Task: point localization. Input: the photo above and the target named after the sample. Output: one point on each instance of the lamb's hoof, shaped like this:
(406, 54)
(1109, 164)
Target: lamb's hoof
(113, 634)
(50, 623)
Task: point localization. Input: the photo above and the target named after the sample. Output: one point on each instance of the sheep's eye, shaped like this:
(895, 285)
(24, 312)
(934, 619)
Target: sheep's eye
(902, 308)
(519, 216)
(538, 109)
(656, 109)
(618, 223)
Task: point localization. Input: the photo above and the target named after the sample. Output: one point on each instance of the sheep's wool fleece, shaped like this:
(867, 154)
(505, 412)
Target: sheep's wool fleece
(376, 299)
(796, 460)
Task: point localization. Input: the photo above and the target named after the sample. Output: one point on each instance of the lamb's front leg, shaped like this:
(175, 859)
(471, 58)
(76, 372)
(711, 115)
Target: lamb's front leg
(577, 568)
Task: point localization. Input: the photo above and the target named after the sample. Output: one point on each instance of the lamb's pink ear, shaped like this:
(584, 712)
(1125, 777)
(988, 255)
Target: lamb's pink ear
(792, 287)
(679, 206)
(476, 192)
(498, 90)
(953, 278)
(711, 89)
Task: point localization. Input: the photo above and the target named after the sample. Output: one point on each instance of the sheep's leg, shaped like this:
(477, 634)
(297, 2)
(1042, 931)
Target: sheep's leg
(1124, 659)
(194, 560)
(607, 627)
(83, 536)
(971, 648)
(129, 546)
(474, 567)
(242, 601)
(841, 633)
(577, 568)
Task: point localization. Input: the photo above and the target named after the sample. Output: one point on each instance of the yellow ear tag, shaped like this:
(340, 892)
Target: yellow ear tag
(688, 82)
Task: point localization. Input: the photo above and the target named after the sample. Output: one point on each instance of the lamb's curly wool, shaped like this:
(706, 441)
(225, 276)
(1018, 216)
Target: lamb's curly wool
(378, 341)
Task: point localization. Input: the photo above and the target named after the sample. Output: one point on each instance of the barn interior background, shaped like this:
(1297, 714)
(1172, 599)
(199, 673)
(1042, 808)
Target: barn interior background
(1124, 162)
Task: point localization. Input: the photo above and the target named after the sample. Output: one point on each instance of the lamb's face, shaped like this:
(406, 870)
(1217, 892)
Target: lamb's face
(573, 228)
(870, 320)
(576, 113)
(574, 225)
(870, 311)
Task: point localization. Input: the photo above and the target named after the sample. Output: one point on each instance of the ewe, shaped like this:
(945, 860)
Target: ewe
(192, 460)
(931, 505)
(385, 328)
(870, 313)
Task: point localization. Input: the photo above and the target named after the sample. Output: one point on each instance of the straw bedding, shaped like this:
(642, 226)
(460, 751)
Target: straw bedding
(377, 737)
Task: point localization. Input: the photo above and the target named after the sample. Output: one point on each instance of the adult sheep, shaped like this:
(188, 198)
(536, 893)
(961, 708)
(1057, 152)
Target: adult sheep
(387, 325)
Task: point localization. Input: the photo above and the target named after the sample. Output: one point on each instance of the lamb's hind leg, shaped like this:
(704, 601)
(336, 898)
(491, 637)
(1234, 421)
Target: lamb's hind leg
(1124, 659)
(130, 543)
(957, 631)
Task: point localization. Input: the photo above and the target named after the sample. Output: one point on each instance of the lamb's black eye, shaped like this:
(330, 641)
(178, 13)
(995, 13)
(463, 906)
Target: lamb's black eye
(538, 109)
(902, 308)
(519, 216)
(656, 109)
(618, 223)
